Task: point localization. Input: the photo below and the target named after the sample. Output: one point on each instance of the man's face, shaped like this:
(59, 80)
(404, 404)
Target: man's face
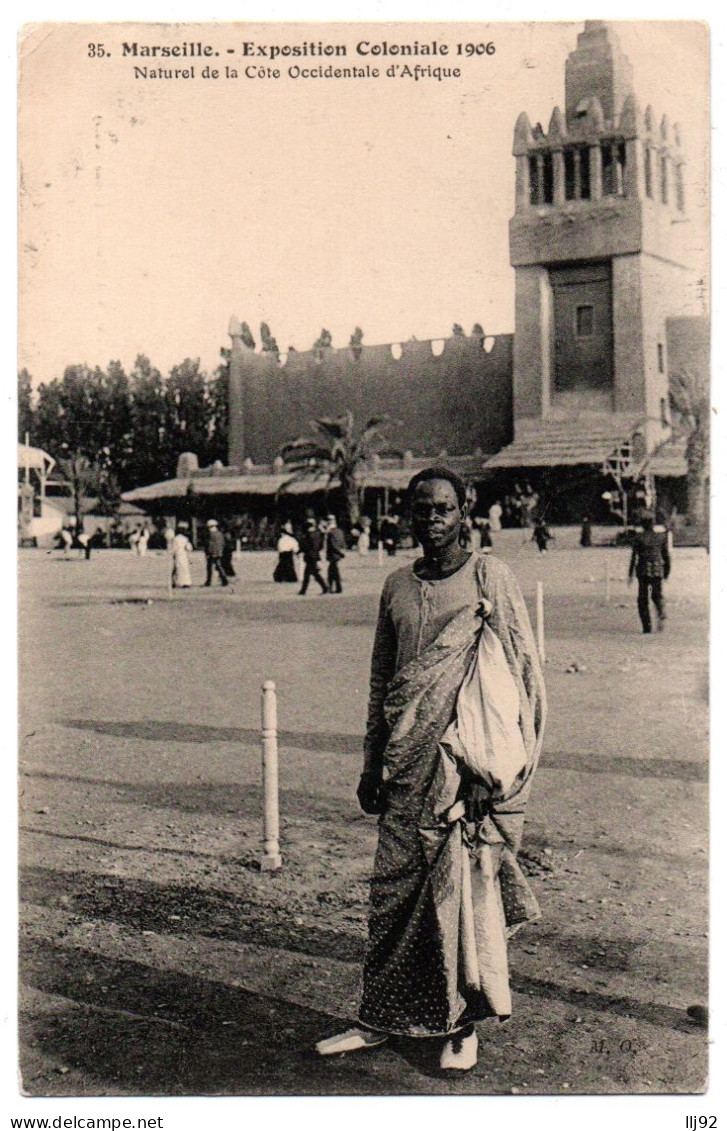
(436, 514)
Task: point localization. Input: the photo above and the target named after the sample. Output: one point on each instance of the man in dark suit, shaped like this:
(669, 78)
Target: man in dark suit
(214, 548)
(651, 564)
(311, 544)
(335, 553)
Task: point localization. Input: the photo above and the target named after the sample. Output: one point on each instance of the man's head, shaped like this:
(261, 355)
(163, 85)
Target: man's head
(647, 521)
(331, 520)
(438, 507)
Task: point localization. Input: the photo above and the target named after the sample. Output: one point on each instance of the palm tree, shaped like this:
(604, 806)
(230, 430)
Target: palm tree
(337, 452)
(689, 395)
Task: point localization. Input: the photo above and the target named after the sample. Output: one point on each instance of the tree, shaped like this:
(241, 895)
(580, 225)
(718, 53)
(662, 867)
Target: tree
(337, 451)
(218, 396)
(82, 476)
(65, 417)
(356, 342)
(323, 341)
(269, 344)
(148, 419)
(689, 396)
(246, 336)
(25, 406)
(186, 422)
(457, 331)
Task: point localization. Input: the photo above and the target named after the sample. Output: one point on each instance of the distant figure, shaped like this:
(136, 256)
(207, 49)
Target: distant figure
(495, 516)
(228, 550)
(485, 539)
(530, 503)
(335, 553)
(143, 542)
(311, 544)
(390, 533)
(364, 539)
(84, 542)
(586, 531)
(651, 563)
(215, 545)
(465, 534)
(134, 539)
(287, 547)
(181, 548)
(542, 535)
(66, 540)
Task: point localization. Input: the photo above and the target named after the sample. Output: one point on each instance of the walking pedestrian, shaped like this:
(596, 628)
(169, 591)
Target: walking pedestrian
(485, 538)
(214, 546)
(181, 548)
(494, 515)
(651, 564)
(287, 549)
(541, 535)
(335, 553)
(586, 536)
(142, 544)
(454, 660)
(228, 549)
(311, 544)
(390, 533)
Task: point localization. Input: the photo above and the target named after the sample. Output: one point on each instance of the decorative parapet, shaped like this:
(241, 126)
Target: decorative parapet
(602, 146)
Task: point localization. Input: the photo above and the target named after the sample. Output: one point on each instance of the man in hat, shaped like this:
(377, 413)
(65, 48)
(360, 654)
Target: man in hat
(214, 549)
(651, 563)
(311, 544)
(335, 553)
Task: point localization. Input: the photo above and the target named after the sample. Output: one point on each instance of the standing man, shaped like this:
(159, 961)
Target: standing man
(446, 887)
(214, 549)
(311, 544)
(651, 564)
(335, 553)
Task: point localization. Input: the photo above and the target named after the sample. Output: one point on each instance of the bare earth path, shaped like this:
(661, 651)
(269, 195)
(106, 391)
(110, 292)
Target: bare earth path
(157, 959)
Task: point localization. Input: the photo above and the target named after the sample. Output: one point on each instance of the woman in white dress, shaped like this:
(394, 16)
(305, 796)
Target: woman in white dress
(181, 549)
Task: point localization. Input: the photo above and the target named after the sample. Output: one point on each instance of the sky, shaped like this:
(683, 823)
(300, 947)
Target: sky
(152, 211)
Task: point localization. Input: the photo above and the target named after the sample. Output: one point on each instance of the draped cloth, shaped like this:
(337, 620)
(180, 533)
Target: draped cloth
(447, 890)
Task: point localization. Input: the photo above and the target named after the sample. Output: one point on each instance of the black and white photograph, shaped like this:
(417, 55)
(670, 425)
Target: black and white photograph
(363, 528)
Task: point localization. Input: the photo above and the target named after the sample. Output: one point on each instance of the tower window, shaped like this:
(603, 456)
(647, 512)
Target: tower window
(577, 173)
(533, 170)
(584, 321)
(660, 357)
(664, 180)
(648, 185)
(680, 187)
(613, 158)
(570, 174)
(585, 173)
(547, 178)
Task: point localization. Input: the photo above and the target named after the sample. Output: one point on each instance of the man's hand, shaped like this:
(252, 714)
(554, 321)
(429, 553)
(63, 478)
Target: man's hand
(370, 793)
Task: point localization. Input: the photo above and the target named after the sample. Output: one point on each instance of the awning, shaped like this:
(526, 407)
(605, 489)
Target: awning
(563, 444)
(223, 485)
(669, 461)
(35, 458)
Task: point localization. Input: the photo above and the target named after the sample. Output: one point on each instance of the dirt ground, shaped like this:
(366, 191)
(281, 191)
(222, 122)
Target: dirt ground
(156, 957)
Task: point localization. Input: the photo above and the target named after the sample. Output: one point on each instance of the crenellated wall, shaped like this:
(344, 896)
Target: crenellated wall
(454, 394)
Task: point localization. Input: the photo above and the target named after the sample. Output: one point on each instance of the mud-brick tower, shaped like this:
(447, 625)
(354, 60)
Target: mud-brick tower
(596, 243)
